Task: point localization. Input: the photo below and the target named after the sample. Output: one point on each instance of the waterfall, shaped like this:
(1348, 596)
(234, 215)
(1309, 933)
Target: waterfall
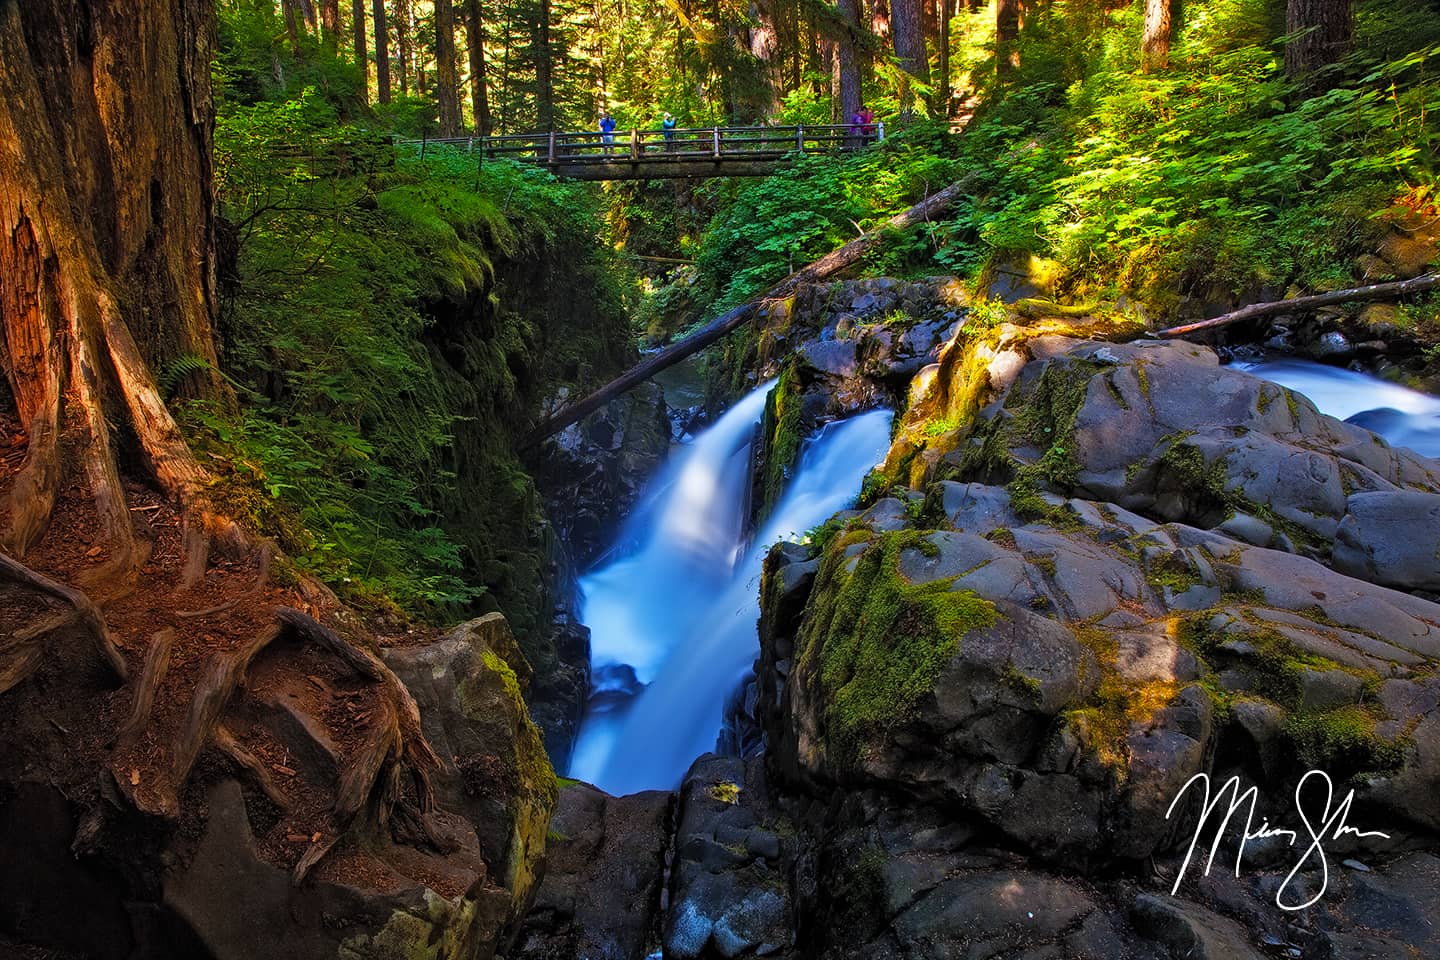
(1406, 418)
(672, 617)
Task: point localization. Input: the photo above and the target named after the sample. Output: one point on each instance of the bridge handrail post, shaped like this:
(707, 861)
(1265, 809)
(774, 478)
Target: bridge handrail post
(552, 146)
(717, 142)
(800, 138)
(880, 131)
(634, 144)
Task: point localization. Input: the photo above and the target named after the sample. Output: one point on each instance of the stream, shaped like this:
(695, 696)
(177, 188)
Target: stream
(1405, 417)
(672, 610)
(672, 613)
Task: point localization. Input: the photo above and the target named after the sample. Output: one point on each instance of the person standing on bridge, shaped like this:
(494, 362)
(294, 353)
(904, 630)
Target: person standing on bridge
(865, 122)
(607, 132)
(668, 125)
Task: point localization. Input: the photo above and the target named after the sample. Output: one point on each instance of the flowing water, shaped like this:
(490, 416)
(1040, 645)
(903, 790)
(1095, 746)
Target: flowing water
(672, 615)
(1406, 418)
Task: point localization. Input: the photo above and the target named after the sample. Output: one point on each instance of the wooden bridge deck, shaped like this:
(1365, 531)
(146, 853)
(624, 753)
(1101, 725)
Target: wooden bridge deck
(660, 154)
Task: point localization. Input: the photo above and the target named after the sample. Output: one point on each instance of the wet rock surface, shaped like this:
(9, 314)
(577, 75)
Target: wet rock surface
(602, 892)
(1110, 569)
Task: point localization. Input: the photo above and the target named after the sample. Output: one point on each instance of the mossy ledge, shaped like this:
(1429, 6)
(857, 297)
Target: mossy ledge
(878, 641)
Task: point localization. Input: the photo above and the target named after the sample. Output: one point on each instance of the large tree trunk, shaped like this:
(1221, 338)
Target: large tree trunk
(382, 52)
(307, 8)
(292, 24)
(942, 92)
(403, 40)
(1008, 15)
(330, 24)
(1326, 30)
(1155, 50)
(447, 76)
(106, 249)
(907, 27)
(479, 94)
(847, 62)
(544, 68)
(362, 56)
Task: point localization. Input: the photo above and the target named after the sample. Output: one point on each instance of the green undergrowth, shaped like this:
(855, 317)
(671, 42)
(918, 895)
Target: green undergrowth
(879, 642)
(1215, 178)
(390, 324)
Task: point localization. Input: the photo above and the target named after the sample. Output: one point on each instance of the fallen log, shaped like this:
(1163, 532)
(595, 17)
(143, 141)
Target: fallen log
(1378, 291)
(827, 265)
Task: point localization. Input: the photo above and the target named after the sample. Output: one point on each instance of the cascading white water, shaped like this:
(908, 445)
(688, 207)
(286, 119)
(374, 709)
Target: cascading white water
(1406, 418)
(679, 609)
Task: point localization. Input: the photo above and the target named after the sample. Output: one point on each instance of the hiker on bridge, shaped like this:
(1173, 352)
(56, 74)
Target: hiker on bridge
(607, 132)
(862, 125)
(668, 125)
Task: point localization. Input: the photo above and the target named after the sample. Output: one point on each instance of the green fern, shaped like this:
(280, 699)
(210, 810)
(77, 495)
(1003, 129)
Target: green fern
(175, 372)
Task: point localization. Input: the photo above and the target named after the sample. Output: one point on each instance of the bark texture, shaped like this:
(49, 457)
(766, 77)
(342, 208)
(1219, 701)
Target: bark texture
(106, 246)
(479, 95)
(1155, 51)
(447, 76)
(847, 61)
(362, 55)
(1325, 30)
(382, 52)
(1008, 16)
(907, 27)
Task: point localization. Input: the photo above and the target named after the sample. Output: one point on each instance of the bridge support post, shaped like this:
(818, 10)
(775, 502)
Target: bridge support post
(800, 138)
(716, 131)
(552, 146)
(634, 144)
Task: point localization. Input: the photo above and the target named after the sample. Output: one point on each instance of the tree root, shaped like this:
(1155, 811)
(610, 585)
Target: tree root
(226, 743)
(157, 663)
(23, 654)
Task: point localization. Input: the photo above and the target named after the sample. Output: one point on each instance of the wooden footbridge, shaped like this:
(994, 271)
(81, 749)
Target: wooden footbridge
(663, 154)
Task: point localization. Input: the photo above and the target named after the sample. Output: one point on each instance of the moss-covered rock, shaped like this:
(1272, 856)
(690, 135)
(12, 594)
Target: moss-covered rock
(470, 690)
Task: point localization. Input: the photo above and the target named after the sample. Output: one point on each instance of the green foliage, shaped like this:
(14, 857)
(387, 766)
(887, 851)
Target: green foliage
(1212, 178)
(391, 323)
(766, 228)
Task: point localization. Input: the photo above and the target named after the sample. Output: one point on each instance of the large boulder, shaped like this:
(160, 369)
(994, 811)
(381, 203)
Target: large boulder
(600, 899)
(1110, 593)
(470, 688)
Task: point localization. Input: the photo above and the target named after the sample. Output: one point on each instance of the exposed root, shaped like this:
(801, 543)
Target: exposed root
(312, 857)
(84, 613)
(32, 498)
(221, 675)
(226, 743)
(157, 663)
(262, 578)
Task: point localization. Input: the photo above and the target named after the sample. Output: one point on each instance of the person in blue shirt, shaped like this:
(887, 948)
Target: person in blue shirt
(607, 132)
(668, 125)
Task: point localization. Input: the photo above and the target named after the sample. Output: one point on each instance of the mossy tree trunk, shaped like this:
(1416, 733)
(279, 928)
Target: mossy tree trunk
(362, 55)
(106, 251)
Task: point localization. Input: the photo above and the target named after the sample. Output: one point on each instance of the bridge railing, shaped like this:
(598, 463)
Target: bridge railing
(686, 143)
